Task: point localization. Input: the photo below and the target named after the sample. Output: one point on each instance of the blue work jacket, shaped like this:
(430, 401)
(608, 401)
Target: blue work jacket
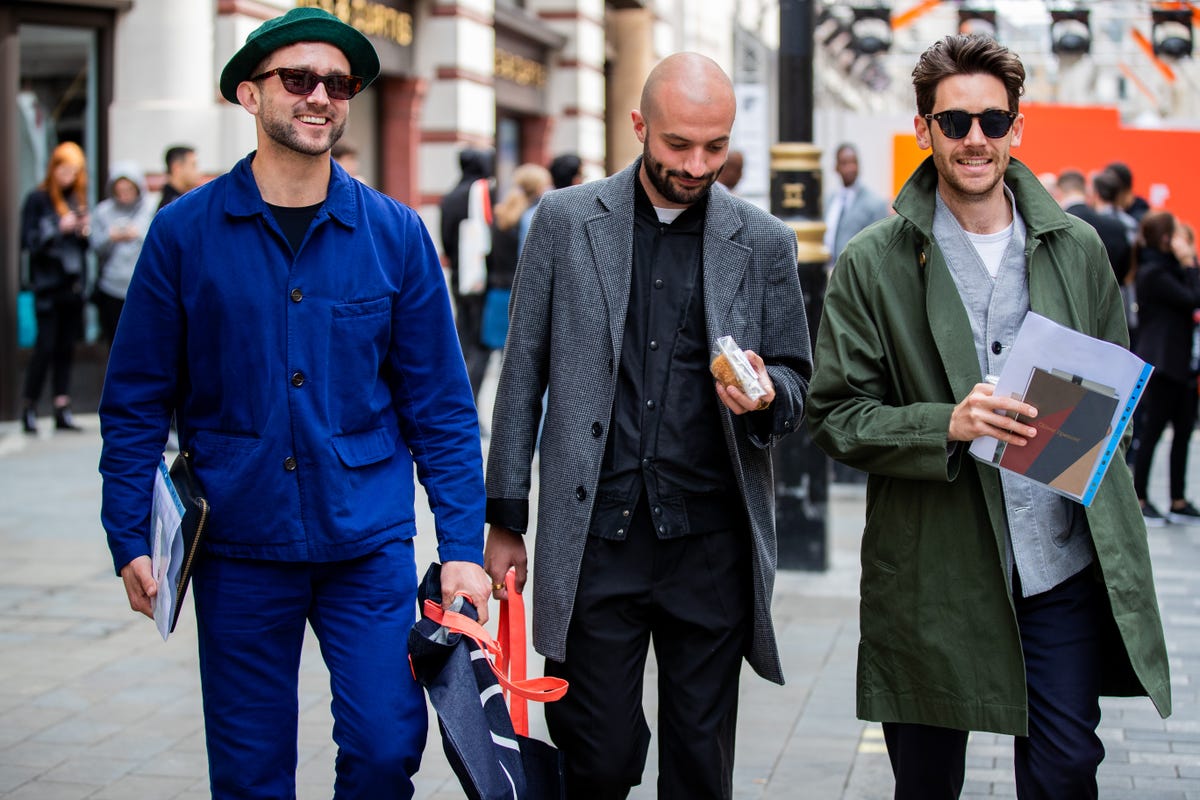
(305, 385)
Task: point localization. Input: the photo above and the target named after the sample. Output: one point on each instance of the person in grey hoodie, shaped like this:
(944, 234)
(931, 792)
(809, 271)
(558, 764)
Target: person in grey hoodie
(119, 226)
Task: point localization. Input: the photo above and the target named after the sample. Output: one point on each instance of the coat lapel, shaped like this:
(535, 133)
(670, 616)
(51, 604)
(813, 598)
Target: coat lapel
(725, 262)
(948, 320)
(610, 233)
(950, 326)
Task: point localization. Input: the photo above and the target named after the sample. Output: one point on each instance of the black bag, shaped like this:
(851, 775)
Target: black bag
(491, 761)
(195, 519)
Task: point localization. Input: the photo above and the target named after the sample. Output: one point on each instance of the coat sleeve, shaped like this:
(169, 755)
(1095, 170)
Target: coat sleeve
(39, 223)
(860, 412)
(784, 348)
(517, 412)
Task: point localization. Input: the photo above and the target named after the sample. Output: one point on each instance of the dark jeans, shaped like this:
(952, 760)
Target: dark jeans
(1061, 635)
(60, 323)
(469, 322)
(1166, 401)
(692, 597)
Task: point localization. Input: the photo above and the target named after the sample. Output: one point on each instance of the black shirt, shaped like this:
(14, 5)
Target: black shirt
(295, 221)
(666, 437)
(169, 194)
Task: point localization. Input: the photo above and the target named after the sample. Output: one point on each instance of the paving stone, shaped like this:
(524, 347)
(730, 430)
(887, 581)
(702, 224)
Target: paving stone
(83, 677)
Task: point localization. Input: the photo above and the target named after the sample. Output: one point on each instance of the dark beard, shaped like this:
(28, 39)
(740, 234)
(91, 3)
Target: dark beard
(660, 179)
(283, 133)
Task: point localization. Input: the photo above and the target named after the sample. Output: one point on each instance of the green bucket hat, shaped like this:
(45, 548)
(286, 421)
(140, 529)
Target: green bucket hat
(299, 25)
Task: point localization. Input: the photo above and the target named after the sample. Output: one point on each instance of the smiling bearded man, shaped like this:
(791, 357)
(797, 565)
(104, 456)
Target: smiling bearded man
(272, 312)
(988, 601)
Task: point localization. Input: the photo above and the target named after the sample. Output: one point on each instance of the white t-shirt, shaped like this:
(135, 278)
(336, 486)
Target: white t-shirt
(991, 247)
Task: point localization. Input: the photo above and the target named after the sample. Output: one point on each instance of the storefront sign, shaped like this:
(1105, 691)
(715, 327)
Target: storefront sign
(371, 18)
(520, 70)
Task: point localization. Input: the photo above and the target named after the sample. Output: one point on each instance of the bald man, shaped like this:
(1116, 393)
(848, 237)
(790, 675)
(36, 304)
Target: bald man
(655, 519)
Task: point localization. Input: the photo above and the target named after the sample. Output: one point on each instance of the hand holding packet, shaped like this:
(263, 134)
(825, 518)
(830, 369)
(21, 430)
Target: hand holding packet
(730, 366)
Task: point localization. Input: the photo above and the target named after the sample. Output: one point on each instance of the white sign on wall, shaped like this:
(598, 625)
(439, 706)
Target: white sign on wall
(752, 135)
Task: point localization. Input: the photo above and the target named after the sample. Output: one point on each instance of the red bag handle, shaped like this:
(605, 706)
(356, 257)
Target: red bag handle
(511, 661)
(541, 690)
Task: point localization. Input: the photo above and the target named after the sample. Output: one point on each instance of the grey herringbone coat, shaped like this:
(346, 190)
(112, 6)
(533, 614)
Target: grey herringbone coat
(567, 319)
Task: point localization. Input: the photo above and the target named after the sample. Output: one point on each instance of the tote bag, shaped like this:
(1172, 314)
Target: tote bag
(454, 658)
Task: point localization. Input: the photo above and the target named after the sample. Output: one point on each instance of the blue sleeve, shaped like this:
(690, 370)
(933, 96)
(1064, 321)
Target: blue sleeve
(140, 388)
(434, 401)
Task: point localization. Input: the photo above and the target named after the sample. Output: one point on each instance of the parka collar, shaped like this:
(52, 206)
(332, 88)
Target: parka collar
(915, 202)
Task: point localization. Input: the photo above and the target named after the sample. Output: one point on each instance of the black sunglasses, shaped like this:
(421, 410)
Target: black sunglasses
(303, 82)
(995, 123)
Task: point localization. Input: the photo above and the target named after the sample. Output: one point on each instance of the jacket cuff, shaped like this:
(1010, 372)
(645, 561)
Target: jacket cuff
(460, 553)
(506, 513)
(760, 427)
(125, 551)
(954, 459)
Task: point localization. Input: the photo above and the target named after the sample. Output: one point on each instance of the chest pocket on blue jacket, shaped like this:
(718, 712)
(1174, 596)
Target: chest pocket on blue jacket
(359, 336)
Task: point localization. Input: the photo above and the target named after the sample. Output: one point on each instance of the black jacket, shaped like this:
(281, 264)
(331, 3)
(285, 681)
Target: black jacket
(1167, 295)
(56, 259)
(475, 164)
(1112, 234)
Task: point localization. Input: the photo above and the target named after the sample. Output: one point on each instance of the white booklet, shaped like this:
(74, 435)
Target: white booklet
(167, 551)
(1085, 390)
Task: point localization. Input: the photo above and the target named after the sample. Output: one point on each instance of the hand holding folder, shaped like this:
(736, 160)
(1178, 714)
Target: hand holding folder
(178, 520)
(1085, 391)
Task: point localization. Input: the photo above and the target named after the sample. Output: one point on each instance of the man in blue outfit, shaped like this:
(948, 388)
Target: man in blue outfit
(298, 325)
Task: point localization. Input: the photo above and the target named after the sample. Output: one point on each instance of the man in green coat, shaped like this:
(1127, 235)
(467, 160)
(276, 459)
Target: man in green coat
(988, 602)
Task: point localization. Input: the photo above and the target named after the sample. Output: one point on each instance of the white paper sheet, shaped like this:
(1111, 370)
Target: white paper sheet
(166, 559)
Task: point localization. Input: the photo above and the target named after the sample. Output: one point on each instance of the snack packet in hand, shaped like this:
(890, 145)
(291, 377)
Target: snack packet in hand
(731, 367)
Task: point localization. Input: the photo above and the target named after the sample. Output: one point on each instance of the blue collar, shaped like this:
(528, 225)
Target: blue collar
(245, 200)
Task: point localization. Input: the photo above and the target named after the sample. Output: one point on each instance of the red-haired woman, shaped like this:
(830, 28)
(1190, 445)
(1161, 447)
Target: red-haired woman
(54, 230)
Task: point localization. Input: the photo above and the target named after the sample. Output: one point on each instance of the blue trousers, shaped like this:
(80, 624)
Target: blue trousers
(251, 617)
(1061, 635)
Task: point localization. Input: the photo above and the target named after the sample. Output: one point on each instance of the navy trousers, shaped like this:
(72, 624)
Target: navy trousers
(1061, 635)
(251, 617)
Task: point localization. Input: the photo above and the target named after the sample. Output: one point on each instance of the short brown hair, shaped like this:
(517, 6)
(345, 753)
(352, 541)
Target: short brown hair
(967, 55)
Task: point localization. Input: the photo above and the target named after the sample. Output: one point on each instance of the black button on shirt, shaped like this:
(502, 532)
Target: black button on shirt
(666, 438)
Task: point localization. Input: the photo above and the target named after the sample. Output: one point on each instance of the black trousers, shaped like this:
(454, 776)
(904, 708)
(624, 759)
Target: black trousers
(60, 324)
(108, 308)
(1061, 635)
(468, 320)
(1167, 401)
(692, 597)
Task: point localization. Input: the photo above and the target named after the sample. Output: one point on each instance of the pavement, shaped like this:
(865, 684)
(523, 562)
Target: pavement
(93, 704)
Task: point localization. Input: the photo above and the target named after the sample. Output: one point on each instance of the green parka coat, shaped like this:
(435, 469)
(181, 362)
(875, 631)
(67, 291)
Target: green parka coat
(939, 640)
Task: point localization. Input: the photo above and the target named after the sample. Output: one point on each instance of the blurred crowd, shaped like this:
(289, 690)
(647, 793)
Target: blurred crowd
(1153, 258)
(1152, 254)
